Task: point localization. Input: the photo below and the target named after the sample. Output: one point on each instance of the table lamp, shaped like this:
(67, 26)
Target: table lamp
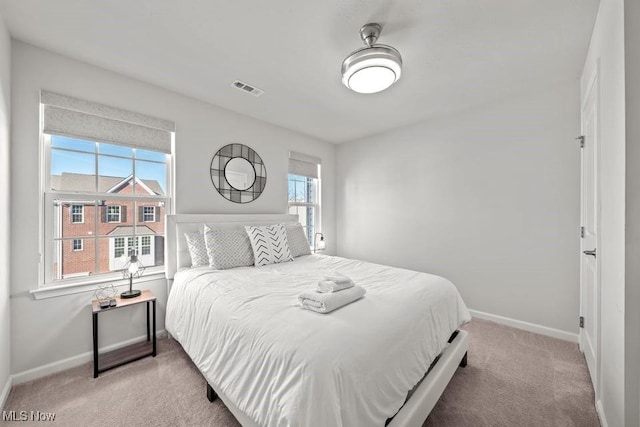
(318, 243)
(133, 268)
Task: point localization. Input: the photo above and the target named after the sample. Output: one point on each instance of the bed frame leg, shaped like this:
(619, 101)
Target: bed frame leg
(211, 394)
(463, 362)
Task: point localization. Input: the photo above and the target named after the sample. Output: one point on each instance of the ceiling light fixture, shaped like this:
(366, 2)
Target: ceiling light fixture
(372, 68)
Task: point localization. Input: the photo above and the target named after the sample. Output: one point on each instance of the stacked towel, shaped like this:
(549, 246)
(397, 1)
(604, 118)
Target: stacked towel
(337, 277)
(334, 282)
(331, 286)
(327, 302)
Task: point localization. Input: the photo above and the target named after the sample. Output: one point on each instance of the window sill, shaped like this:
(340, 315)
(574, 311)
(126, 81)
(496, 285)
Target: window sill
(76, 288)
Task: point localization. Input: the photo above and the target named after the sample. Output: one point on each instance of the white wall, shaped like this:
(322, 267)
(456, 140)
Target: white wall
(5, 90)
(50, 330)
(488, 198)
(632, 273)
(607, 47)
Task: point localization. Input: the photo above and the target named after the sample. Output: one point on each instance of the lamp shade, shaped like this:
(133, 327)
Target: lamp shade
(133, 268)
(372, 69)
(318, 242)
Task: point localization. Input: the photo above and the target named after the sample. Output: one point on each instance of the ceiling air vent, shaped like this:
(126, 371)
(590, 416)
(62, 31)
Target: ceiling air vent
(247, 88)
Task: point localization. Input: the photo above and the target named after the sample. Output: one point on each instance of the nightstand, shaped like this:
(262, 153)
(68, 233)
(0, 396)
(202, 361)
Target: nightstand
(112, 359)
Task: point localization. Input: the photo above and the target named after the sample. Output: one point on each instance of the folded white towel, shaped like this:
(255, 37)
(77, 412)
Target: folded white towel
(331, 286)
(327, 302)
(337, 277)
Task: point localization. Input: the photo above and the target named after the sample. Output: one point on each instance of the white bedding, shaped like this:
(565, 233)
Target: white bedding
(283, 365)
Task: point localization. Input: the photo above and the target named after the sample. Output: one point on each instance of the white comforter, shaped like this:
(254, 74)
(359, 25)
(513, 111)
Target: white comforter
(286, 366)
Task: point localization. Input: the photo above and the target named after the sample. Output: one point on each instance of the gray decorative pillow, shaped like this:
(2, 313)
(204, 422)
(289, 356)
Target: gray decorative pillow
(270, 244)
(228, 247)
(298, 243)
(197, 249)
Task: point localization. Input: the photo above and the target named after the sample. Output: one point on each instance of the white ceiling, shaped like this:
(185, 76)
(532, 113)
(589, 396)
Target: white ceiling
(456, 53)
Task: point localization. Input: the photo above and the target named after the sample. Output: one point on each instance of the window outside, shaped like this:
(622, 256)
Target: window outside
(304, 202)
(77, 214)
(106, 202)
(148, 213)
(77, 244)
(113, 213)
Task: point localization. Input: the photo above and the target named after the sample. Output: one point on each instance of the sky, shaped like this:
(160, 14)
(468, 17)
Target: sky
(84, 162)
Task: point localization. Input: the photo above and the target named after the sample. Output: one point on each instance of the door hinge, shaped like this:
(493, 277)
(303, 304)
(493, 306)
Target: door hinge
(582, 232)
(582, 321)
(581, 139)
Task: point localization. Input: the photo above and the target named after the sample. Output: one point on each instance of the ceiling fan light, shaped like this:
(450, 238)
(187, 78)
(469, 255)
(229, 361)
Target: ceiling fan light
(371, 74)
(371, 79)
(373, 68)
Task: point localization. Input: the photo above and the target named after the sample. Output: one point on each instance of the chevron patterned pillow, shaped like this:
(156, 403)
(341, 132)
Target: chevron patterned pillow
(269, 244)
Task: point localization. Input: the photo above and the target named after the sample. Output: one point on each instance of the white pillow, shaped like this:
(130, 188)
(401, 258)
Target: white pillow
(197, 249)
(228, 247)
(298, 243)
(269, 243)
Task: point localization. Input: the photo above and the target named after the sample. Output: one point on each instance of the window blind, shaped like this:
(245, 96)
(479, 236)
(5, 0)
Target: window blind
(73, 117)
(303, 164)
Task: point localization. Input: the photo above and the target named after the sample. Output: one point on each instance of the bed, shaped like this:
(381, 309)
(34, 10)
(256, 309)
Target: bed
(275, 364)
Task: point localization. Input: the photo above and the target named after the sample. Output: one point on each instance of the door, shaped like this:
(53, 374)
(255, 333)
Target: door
(590, 207)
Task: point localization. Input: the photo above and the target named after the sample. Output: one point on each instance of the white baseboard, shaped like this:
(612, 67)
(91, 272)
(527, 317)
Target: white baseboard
(526, 326)
(5, 391)
(61, 365)
(600, 411)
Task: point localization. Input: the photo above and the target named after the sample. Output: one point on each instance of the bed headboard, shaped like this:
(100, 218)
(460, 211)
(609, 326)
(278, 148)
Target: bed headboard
(177, 252)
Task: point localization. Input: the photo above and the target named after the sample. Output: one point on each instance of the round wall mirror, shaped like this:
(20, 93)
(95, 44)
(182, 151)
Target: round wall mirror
(237, 172)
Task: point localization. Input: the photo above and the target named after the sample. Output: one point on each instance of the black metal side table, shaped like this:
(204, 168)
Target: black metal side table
(112, 359)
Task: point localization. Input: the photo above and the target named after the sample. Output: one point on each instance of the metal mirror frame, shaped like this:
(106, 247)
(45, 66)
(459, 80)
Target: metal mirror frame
(219, 180)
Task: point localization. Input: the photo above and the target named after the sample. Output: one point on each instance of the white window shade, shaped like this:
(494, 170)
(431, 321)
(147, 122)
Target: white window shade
(73, 117)
(302, 164)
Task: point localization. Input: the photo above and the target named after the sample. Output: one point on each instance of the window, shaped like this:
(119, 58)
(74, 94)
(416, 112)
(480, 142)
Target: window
(303, 202)
(113, 213)
(123, 180)
(77, 214)
(145, 246)
(304, 192)
(118, 247)
(76, 244)
(98, 185)
(139, 245)
(149, 213)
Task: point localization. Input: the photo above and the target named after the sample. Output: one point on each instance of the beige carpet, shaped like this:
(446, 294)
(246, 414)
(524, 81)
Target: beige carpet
(513, 378)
